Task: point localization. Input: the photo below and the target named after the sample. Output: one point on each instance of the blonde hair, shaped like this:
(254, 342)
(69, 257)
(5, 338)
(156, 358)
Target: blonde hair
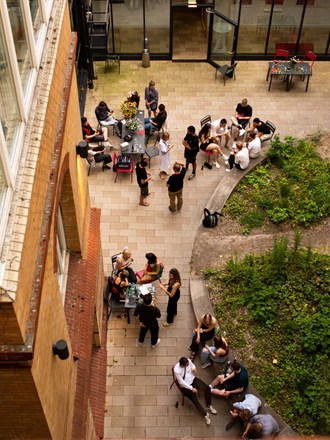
(126, 251)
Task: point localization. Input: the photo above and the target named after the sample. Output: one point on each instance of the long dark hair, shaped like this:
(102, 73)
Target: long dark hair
(204, 130)
(176, 275)
(219, 342)
(151, 258)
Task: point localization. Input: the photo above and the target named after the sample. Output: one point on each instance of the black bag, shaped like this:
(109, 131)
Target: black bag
(119, 129)
(128, 138)
(123, 162)
(207, 165)
(210, 220)
(82, 149)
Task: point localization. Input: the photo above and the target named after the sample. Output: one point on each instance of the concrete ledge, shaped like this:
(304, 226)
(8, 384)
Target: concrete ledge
(198, 291)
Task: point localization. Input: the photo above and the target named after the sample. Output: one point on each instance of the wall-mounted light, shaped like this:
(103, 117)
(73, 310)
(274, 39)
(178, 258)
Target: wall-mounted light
(209, 10)
(61, 349)
(192, 3)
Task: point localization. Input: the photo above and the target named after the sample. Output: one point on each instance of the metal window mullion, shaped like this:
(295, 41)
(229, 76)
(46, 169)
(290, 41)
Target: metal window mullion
(7, 169)
(29, 32)
(12, 59)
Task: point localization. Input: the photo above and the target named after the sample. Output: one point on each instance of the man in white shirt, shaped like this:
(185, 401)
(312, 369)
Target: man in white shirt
(220, 130)
(254, 146)
(245, 410)
(184, 372)
(239, 158)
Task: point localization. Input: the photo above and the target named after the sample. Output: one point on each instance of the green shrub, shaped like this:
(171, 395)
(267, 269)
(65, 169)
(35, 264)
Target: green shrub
(280, 301)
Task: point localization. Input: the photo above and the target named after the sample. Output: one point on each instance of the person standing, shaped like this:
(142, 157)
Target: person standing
(175, 187)
(151, 98)
(191, 148)
(165, 157)
(143, 177)
(146, 315)
(173, 293)
(184, 372)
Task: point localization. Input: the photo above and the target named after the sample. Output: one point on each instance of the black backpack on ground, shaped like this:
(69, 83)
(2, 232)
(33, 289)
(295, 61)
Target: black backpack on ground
(210, 220)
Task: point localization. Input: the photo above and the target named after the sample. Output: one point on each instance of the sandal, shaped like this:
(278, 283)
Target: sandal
(192, 356)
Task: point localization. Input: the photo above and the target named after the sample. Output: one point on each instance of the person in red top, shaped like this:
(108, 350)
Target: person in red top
(92, 135)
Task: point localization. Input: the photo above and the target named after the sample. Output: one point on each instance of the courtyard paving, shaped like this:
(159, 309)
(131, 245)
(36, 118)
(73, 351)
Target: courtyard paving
(139, 404)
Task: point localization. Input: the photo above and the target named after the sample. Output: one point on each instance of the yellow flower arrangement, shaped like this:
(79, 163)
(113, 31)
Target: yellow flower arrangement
(128, 109)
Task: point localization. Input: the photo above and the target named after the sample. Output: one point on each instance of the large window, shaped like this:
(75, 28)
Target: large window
(62, 256)
(20, 26)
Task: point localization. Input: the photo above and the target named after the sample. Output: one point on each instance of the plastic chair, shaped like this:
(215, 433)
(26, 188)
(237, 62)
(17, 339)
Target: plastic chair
(205, 120)
(152, 152)
(280, 54)
(226, 70)
(122, 170)
(177, 384)
(310, 56)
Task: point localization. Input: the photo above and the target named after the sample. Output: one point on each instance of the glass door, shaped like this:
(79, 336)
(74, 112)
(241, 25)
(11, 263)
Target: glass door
(222, 39)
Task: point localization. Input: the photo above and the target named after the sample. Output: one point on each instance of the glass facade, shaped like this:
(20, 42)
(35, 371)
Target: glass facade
(20, 41)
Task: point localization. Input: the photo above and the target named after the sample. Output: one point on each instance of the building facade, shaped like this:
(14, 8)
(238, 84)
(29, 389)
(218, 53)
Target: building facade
(51, 267)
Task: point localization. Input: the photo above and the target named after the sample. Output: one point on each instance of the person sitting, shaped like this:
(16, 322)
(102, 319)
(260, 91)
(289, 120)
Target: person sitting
(234, 383)
(123, 262)
(239, 158)
(119, 286)
(99, 155)
(261, 425)
(244, 410)
(218, 353)
(153, 269)
(184, 373)
(242, 117)
(262, 130)
(208, 143)
(104, 116)
(91, 135)
(134, 97)
(220, 130)
(204, 331)
(151, 124)
(254, 146)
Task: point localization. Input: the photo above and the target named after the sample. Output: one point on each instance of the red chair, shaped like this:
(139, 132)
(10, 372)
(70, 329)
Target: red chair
(280, 54)
(310, 56)
(122, 170)
(178, 386)
(140, 274)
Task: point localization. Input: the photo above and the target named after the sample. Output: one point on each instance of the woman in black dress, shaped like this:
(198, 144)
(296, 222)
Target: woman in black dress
(173, 293)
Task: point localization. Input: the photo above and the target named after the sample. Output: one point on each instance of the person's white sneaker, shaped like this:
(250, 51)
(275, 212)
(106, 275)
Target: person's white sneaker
(212, 410)
(207, 419)
(227, 163)
(225, 157)
(217, 165)
(157, 343)
(234, 145)
(139, 343)
(228, 170)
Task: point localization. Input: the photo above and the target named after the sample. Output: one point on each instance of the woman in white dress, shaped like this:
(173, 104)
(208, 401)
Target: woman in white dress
(165, 156)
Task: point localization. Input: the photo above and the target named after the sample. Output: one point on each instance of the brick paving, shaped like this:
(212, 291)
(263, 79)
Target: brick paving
(139, 404)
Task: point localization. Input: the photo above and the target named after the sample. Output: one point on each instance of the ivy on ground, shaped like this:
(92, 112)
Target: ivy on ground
(293, 186)
(275, 309)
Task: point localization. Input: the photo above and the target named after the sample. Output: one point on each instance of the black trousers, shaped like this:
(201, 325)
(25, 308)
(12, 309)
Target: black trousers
(172, 307)
(205, 336)
(154, 331)
(232, 163)
(200, 386)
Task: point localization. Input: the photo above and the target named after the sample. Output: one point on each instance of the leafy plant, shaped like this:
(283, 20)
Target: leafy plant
(277, 305)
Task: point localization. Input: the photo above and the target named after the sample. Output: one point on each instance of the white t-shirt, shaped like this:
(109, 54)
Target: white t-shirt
(242, 157)
(254, 147)
(216, 129)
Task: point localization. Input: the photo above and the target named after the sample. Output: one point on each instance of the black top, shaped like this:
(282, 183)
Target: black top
(147, 314)
(175, 182)
(244, 111)
(102, 113)
(160, 119)
(141, 174)
(263, 128)
(240, 380)
(193, 142)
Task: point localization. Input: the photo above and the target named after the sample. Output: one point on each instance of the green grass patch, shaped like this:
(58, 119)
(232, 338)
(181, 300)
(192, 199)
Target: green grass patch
(292, 186)
(274, 309)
